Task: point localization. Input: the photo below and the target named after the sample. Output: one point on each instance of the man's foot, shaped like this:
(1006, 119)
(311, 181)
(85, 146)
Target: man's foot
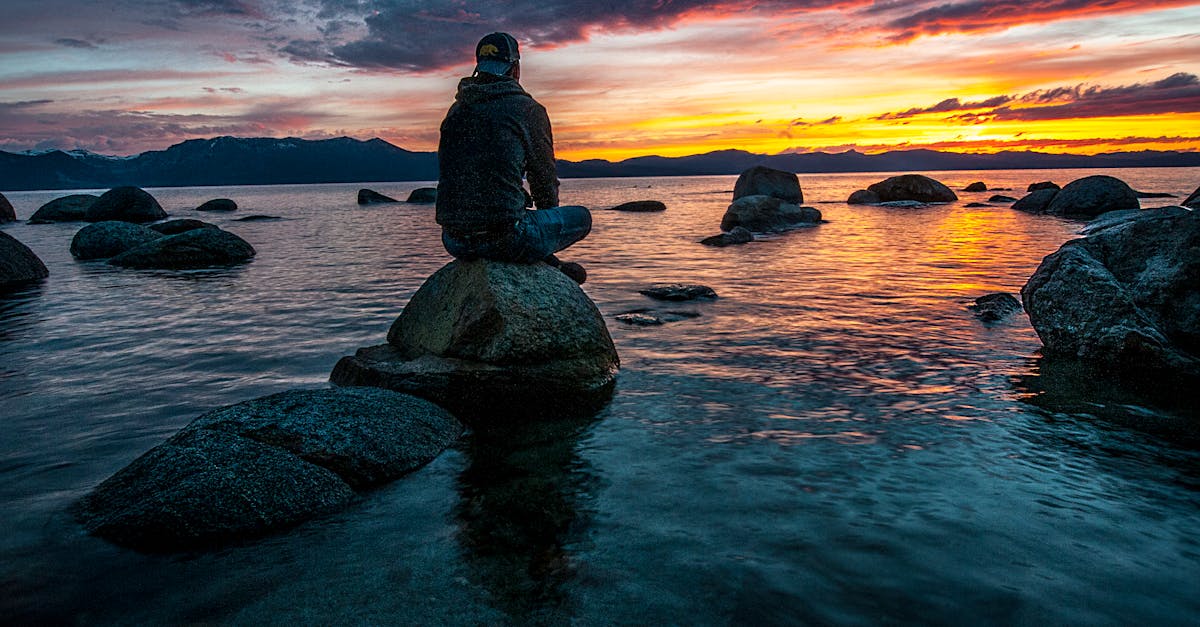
(574, 271)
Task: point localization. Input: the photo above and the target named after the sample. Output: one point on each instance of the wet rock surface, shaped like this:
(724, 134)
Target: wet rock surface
(71, 208)
(197, 248)
(678, 291)
(995, 307)
(372, 197)
(763, 181)
(218, 204)
(126, 204)
(18, 264)
(102, 240)
(179, 225)
(1002, 198)
(912, 187)
(422, 196)
(736, 235)
(765, 214)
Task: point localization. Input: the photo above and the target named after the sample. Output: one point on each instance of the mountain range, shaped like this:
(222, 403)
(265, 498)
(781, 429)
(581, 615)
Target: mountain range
(268, 161)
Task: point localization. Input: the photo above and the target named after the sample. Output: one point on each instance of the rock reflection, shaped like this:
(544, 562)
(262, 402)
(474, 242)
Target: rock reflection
(524, 497)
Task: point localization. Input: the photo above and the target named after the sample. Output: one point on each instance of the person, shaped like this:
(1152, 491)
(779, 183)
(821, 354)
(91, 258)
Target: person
(494, 136)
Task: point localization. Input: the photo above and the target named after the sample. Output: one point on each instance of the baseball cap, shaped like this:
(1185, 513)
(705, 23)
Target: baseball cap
(496, 53)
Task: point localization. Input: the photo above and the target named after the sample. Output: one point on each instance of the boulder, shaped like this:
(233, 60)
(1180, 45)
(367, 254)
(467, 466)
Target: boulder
(912, 187)
(420, 196)
(678, 292)
(372, 197)
(126, 204)
(492, 341)
(218, 204)
(995, 307)
(864, 197)
(171, 227)
(263, 465)
(1001, 198)
(198, 248)
(767, 214)
(7, 213)
(102, 240)
(66, 209)
(737, 235)
(763, 181)
(1125, 297)
(977, 186)
(1193, 200)
(1033, 187)
(18, 264)
(641, 206)
(1093, 195)
(1036, 202)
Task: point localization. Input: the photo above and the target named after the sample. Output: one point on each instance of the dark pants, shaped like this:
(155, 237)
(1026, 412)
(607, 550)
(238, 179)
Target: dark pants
(536, 236)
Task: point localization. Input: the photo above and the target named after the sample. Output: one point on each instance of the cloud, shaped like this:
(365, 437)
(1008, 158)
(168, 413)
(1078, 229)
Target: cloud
(827, 121)
(950, 104)
(1012, 144)
(74, 43)
(994, 15)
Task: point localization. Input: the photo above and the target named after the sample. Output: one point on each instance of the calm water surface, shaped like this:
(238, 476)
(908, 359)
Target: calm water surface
(836, 439)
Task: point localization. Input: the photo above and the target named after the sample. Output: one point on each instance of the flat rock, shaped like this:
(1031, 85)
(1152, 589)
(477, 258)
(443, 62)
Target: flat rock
(737, 235)
(71, 208)
(1153, 194)
(1002, 198)
(995, 307)
(218, 204)
(912, 187)
(420, 196)
(179, 225)
(1093, 195)
(977, 186)
(976, 205)
(372, 197)
(7, 213)
(641, 206)
(864, 197)
(198, 248)
(678, 291)
(1036, 201)
(101, 240)
(767, 214)
(126, 204)
(18, 264)
(763, 181)
(257, 218)
(1033, 187)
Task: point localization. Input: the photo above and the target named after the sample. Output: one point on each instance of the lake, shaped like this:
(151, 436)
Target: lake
(835, 440)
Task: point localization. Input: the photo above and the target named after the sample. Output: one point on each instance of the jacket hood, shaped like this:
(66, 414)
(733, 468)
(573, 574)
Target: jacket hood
(473, 89)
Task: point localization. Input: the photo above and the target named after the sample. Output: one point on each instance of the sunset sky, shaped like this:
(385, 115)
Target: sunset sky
(620, 79)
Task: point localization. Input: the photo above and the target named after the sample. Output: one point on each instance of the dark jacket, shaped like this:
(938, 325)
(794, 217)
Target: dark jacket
(494, 135)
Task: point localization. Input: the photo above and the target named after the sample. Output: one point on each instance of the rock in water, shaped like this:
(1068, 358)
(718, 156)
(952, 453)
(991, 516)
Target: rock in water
(737, 235)
(767, 214)
(420, 196)
(1033, 187)
(126, 204)
(977, 186)
(258, 218)
(1002, 198)
(678, 291)
(218, 204)
(912, 187)
(763, 181)
(371, 197)
(171, 227)
(66, 209)
(7, 213)
(492, 340)
(1036, 201)
(263, 465)
(641, 206)
(1093, 195)
(198, 248)
(102, 240)
(863, 197)
(1193, 201)
(1124, 297)
(18, 264)
(995, 307)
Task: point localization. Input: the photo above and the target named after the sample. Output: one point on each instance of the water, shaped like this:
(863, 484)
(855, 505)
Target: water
(836, 439)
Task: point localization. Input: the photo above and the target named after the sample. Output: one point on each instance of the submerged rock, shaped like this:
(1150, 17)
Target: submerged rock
(260, 466)
(1093, 195)
(1036, 202)
(371, 197)
(1124, 297)
(102, 240)
(71, 208)
(1153, 194)
(1002, 198)
(976, 205)
(641, 206)
(18, 264)
(258, 218)
(737, 235)
(1033, 187)
(977, 186)
(912, 187)
(995, 307)
(767, 214)
(198, 248)
(125, 204)
(493, 341)
(7, 213)
(421, 196)
(639, 319)
(863, 197)
(763, 181)
(678, 291)
(179, 225)
(218, 204)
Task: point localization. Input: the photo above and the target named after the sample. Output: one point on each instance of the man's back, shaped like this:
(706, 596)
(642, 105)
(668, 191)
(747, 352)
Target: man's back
(493, 136)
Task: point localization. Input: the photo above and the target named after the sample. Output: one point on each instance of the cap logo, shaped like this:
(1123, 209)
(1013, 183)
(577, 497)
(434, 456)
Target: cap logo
(489, 50)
